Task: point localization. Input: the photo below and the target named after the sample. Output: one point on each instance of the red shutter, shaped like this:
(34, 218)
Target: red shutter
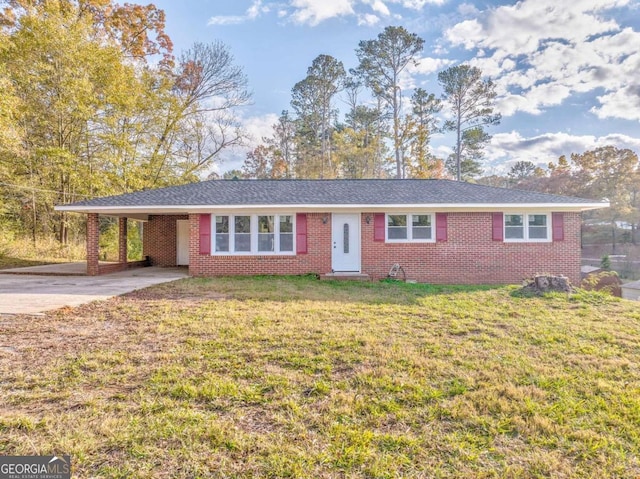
(301, 233)
(378, 227)
(498, 227)
(557, 220)
(441, 227)
(205, 234)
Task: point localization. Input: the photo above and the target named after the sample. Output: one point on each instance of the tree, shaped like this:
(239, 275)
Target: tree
(360, 146)
(312, 101)
(263, 162)
(67, 82)
(421, 124)
(523, 170)
(467, 166)
(138, 30)
(276, 156)
(9, 103)
(603, 173)
(197, 121)
(381, 63)
(88, 116)
(611, 173)
(471, 101)
(357, 152)
(283, 140)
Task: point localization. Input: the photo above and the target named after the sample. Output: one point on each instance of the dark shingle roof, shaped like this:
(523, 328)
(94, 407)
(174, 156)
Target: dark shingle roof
(328, 192)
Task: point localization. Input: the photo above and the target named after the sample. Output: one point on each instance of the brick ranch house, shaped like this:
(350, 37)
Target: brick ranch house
(438, 231)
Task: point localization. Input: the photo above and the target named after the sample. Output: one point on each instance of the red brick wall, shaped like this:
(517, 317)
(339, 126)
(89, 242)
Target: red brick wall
(471, 256)
(317, 260)
(93, 242)
(159, 239)
(468, 256)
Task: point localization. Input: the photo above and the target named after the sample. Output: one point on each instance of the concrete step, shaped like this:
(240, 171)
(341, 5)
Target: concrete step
(345, 277)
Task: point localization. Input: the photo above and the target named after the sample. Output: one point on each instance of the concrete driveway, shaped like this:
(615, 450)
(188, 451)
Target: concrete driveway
(30, 294)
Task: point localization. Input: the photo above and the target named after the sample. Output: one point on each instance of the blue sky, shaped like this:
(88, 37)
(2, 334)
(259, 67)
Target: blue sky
(567, 71)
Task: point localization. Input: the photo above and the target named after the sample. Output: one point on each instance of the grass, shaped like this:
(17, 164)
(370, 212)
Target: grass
(291, 377)
(20, 252)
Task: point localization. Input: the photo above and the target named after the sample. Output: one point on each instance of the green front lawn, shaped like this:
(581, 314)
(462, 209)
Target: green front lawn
(291, 377)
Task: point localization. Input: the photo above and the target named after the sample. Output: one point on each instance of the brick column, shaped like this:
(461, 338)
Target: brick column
(122, 240)
(93, 236)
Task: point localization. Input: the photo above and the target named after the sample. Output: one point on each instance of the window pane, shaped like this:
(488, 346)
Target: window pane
(397, 227)
(265, 242)
(242, 242)
(265, 233)
(222, 233)
(538, 232)
(286, 241)
(396, 232)
(222, 242)
(513, 227)
(537, 226)
(537, 220)
(421, 220)
(421, 233)
(397, 220)
(514, 232)
(513, 220)
(265, 224)
(345, 238)
(222, 224)
(421, 227)
(286, 224)
(286, 233)
(243, 224)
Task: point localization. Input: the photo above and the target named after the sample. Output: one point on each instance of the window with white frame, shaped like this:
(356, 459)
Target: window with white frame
(527, 227)
(253, 234)
(409, 227)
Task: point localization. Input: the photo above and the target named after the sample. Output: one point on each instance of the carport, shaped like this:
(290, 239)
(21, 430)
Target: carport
(165, 239)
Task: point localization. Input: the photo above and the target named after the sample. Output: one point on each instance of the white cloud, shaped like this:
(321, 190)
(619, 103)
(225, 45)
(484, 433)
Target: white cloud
(254, 11)
(227, 20)
(622, 103)
(468, 9)
(506, 148)
(313, 12)
(258, 127)
(378, 6)
(541, 52)
(428, 65)
(367, 12)
(368, 19)
(417, 4)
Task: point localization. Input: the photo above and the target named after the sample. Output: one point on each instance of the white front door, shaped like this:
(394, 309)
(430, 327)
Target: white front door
(345, 232)
(182, 242)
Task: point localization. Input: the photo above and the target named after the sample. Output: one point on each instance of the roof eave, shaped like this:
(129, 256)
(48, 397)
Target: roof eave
(144, 210)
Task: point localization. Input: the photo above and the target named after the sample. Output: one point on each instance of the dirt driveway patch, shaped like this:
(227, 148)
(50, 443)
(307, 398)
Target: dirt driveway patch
(27, 294)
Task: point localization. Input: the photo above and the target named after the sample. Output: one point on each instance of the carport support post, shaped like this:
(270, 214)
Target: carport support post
(122, 240)
(93, 237)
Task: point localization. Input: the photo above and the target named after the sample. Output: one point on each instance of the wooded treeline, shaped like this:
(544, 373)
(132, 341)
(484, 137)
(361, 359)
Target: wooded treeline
(385, 130)
(93, 102)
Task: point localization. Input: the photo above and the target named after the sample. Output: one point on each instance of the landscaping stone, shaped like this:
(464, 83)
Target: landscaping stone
(544, 283)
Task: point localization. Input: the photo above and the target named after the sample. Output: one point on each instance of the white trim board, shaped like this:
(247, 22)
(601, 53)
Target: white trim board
(310, 208)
